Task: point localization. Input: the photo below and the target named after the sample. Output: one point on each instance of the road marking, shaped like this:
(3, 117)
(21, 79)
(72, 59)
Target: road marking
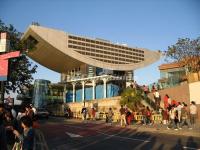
(111, 135)
(185, 147)
(73, 135)
(122, 137)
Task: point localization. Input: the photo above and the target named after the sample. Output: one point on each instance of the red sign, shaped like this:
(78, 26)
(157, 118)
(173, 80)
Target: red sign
(4, 64)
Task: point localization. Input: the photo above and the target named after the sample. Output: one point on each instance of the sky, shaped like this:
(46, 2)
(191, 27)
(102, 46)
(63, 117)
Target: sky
(151, 24)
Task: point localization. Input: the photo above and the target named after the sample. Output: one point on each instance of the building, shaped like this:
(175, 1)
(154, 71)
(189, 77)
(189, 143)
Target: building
(172, 74)
(89, 68)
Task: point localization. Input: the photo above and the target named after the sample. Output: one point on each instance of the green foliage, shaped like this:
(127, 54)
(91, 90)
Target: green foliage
(20, 68)
(131, 97)
(187, 52)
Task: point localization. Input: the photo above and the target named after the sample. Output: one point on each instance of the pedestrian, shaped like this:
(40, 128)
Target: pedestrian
(185, 117)
(165, 100)
(178, 108)
(193, 113)
(93, 112)
(3, 141)
(27, 137)
(172, 116)
(110, 116)
(10, 123)
(157, 99)
(122, 116)
(84, 113)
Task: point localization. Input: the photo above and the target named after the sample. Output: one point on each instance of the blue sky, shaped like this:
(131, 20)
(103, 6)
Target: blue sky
(151, 24)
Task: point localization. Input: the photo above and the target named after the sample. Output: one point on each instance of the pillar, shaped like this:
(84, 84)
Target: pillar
(104, 87)
(93, 89)
(73, 84)
(83, 91)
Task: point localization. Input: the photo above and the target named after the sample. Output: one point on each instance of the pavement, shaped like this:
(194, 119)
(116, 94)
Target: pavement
(154, 128)
(61, 134)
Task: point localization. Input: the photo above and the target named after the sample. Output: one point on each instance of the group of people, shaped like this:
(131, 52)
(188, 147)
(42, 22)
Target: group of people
(16, 129)
(180, 114)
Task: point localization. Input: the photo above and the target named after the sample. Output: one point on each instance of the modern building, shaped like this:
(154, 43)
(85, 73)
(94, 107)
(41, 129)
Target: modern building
(172, 74)
(89, 68)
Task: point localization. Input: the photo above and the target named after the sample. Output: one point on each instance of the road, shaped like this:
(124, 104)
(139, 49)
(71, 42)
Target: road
(62, 134)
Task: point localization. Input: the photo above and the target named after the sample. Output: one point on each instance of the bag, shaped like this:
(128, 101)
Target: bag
(17, 146)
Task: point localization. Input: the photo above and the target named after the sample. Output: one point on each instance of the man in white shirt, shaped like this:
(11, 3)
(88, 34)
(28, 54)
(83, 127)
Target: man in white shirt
(193, 113)
(157, 99)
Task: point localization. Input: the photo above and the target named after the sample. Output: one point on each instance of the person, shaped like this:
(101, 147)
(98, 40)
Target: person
(122, 116)
(84, 113)
(157, 99)
(147, 116)
(193, 113)
(93, 112)
(3, 141)
(178, 108)
(29, 111)
(185, 117)
(165, 100)
(10, 123)
(27, 137)
(110, 115)
(33, 109)
(172, 116)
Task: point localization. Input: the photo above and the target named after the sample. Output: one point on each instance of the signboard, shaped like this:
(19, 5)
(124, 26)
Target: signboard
(4, 42)
(4, 64)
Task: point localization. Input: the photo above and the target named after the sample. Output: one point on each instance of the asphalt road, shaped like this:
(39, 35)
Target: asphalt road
(62, 134)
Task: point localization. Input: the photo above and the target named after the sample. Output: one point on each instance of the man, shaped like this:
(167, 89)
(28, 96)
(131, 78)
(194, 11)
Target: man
(157, 99)
(84, 113)
(185, 117)
(193, 113)
(122, 116)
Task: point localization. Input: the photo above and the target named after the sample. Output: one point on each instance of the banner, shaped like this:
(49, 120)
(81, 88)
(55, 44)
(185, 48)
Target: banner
(4, 64)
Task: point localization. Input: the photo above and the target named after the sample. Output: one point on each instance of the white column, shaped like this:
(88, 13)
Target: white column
(104, 87)
(83, 91)
(93, 89)
(73, 84)
(64, 93)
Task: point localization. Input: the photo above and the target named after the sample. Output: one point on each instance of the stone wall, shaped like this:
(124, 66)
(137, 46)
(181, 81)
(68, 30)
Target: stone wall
(102, 105)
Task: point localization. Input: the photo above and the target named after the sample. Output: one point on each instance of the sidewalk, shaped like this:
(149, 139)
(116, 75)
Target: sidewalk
(155, 128)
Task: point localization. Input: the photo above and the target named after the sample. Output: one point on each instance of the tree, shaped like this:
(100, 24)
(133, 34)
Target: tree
(20, 68)
(186, 52)
(132, 98)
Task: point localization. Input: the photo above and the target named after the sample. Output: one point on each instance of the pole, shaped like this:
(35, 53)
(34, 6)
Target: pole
(2, 93)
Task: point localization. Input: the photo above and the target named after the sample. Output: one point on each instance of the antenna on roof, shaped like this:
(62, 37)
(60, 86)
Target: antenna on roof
(35, 23)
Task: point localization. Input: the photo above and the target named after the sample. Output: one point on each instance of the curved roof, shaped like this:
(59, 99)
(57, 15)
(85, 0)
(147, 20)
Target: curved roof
(61, 52)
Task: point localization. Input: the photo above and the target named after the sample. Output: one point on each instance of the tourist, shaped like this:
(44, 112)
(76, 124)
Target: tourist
(27, 138)
(185, 117)
(179, 108)
(193, 113)
(3, 140)
(10, 123)
(110, 116)
(157, 99)
(84, 113)
(122, 116)
(172, 116)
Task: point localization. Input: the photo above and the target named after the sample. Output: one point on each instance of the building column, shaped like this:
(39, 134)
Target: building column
(64, 93)
(83, 91)
(104, 87)
(73, 84)
(93, 89)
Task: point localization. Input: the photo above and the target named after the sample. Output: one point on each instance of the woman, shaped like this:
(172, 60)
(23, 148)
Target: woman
(27, 138)
(10, 123)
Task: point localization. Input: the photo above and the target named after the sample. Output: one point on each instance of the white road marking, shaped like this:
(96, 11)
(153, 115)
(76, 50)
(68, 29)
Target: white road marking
(73, 135)
(185, 147)
(111, 135)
